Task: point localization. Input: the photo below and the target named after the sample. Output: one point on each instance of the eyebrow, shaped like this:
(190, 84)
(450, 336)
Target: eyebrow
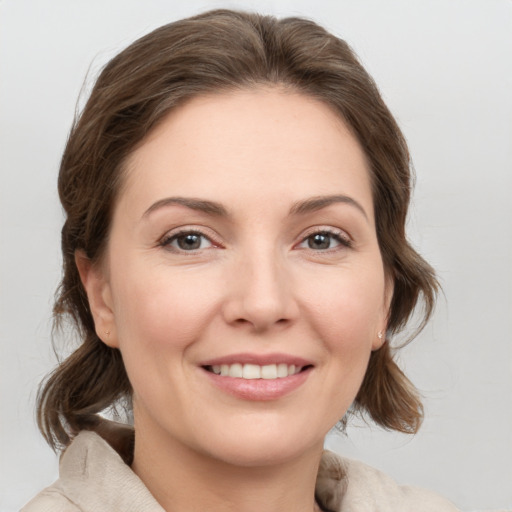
(213, 208)
(317, 203)
(201, 205)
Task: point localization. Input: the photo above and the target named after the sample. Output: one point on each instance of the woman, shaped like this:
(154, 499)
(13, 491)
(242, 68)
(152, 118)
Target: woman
(235, 261)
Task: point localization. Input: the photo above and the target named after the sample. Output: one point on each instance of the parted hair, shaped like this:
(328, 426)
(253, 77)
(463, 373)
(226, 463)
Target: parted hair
(219, 51)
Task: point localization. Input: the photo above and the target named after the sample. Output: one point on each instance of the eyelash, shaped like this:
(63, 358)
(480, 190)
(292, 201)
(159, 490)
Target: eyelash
(339, 236)
(167, 240)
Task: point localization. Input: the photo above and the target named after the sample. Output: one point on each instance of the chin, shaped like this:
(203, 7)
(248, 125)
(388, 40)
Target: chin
(257, 454)
(264, 445)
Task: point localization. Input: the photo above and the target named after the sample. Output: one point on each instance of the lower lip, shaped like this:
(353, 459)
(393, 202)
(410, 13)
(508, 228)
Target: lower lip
(259, 389)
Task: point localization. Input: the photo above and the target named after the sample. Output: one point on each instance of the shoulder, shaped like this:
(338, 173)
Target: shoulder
(56, 497)
(50, 500)
(350, 485)
(93, 477)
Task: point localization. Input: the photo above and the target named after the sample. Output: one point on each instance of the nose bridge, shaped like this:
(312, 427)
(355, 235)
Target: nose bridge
(261, 289)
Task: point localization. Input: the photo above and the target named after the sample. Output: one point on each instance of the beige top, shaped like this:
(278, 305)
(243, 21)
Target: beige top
(94, 478)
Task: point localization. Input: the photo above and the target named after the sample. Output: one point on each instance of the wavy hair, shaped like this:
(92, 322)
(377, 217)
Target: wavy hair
(222, 50)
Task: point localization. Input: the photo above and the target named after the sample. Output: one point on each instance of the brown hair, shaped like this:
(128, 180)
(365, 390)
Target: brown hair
(218, 51)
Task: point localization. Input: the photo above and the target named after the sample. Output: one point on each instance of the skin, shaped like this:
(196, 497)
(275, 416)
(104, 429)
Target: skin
(258, 283)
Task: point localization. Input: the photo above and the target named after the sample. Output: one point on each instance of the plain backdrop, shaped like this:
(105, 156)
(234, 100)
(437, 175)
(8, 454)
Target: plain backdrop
(445, 69)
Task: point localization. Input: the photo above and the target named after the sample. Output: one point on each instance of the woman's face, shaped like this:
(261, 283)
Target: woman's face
(243, 281)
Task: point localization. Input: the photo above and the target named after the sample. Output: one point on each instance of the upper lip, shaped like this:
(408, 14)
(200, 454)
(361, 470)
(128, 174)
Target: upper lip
(259, 359)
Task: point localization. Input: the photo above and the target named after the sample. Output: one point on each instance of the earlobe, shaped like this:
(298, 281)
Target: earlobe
(379, 340)
(381, 335)
(97, 287)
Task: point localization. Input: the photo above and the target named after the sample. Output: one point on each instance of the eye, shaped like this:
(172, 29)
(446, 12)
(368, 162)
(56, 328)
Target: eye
(187, 241)
(325, 240)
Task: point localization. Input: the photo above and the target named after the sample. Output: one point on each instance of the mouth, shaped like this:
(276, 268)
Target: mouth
(257, 377)
(250, 371)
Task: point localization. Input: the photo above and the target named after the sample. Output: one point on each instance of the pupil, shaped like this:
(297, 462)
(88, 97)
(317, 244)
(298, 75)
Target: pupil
(189, 242)
(319, 241)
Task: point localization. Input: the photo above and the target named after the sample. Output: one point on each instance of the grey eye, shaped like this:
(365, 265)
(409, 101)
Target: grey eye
(320, 241)
(187, 241)
(325, 240)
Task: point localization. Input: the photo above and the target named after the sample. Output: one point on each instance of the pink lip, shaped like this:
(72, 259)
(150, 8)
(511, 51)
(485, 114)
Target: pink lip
(259, 359)
(259, 389)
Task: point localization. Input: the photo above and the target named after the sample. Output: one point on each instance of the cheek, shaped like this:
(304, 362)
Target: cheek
(159, 310)
(349, 308)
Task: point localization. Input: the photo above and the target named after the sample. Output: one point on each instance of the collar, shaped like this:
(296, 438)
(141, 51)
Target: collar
(95, 474)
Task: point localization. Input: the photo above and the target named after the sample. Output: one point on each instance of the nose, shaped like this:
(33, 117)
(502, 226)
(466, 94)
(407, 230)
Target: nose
(259, 293)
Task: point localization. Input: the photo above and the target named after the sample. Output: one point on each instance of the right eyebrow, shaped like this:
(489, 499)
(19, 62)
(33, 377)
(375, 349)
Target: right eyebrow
(318, 202)
(201, 205)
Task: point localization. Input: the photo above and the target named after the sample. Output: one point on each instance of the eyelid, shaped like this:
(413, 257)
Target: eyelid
(326, 229)
(174, 233)
(343, 240)
(164, 241)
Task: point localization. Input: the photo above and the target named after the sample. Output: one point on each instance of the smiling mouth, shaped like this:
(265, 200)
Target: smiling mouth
(254, 371)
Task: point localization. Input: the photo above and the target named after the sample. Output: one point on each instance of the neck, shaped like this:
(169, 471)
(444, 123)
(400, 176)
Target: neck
(183, 480)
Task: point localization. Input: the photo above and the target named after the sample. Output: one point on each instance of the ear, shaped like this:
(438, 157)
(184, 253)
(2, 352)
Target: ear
(97, 286)
(380, 335)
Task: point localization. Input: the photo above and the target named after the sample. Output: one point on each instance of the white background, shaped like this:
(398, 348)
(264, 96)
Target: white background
(445, 69)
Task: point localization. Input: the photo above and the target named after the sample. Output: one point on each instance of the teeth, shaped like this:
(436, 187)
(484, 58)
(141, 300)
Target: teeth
(236, 370)
(282, 370)
(254, 371)
(269, 371)
(251, 371)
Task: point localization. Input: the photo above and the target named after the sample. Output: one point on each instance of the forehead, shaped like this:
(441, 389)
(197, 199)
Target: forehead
(259, 142)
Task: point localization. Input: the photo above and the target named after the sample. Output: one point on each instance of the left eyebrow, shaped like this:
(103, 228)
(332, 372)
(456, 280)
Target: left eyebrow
(201, 205)
(314, 204)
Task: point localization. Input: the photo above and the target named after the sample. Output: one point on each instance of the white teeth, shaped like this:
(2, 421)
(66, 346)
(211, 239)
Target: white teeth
(269, 371)
(282, 370)
(236, 370)
(254, 371)
(251, 371)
